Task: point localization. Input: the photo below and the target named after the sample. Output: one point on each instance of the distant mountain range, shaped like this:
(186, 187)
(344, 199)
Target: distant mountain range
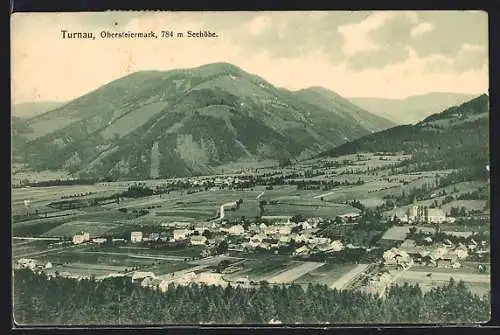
(454, 138)
(184, 122)
(412, 109)
(31, 109)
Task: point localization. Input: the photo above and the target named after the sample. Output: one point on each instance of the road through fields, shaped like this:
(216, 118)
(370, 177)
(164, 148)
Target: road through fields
(290, 275)
(445, 277)
(343, 281)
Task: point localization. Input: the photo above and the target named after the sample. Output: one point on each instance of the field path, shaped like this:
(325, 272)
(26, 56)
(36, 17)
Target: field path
(442, 276)
(392, 280)
(258, 197)
(37, 253)
(181, 273)
(36, 238)
(344, 281)
(165, 258)
(295, 273)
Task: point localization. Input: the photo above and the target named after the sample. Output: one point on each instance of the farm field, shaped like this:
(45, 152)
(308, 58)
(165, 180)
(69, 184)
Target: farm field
(463, 187)
(21, 248)
(91, 268)
(372, 202)
(327, 274)
(466, 267)
(308, 208)
(35, 228)
(94, 228)
(190, 251)
(51, 193)
(398, 233)
(166, 267)
(86, 257)
(467, 228)
(468, 204)
(360, 192)
(20, 173)
(477, 283)
(258, 270)
(201, 207)
(292, 274)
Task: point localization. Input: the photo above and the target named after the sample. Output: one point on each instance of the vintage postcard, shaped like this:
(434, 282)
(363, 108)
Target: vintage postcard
(233, 168)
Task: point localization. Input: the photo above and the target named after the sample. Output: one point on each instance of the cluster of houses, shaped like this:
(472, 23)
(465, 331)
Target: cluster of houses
(149, 279)
(28, 263)
(325, 246)
(422, 214)
(446, 254)
(265, 236)
(239, 237)
(214, 183)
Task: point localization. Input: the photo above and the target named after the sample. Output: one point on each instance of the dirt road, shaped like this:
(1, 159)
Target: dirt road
(442, 276)
(348, 277)
(164, 258)
(290, 275)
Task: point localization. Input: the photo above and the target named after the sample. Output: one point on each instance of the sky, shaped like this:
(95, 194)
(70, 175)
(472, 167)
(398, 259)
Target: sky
(386, 54)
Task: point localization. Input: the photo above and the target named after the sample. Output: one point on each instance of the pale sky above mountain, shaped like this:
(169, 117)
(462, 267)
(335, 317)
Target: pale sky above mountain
(388, 54)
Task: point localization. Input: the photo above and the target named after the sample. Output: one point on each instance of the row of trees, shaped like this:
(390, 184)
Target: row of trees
(119, 301)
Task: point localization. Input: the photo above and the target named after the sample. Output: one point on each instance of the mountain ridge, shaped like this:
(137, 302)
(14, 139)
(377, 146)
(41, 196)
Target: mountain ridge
(27, 110)
(411, 109)
(184, 122)
(456, 137)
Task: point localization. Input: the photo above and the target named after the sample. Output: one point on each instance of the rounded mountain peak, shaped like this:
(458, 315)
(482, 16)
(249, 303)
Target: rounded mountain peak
(220, 68)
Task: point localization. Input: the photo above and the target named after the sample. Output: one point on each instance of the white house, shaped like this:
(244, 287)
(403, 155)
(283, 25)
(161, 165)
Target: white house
(48, 265)
(461, 252)
(303, 237)
(282, 230)
(436, 215)
(236, 230)
(352, 215)
(198, 240)
(300, 251)
(395, 256)
(176, 224)
(181, 234)
(319, 240)
(337, 245)
(81, 238)
(136, 236)
(201, 229)
(285, 238)
(99, 240)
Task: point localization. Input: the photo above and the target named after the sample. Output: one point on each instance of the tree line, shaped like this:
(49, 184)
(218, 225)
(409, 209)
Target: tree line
(115, 301)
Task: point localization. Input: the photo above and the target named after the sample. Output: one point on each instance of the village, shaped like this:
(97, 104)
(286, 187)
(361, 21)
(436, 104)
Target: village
(221, 248)
(359, 222)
